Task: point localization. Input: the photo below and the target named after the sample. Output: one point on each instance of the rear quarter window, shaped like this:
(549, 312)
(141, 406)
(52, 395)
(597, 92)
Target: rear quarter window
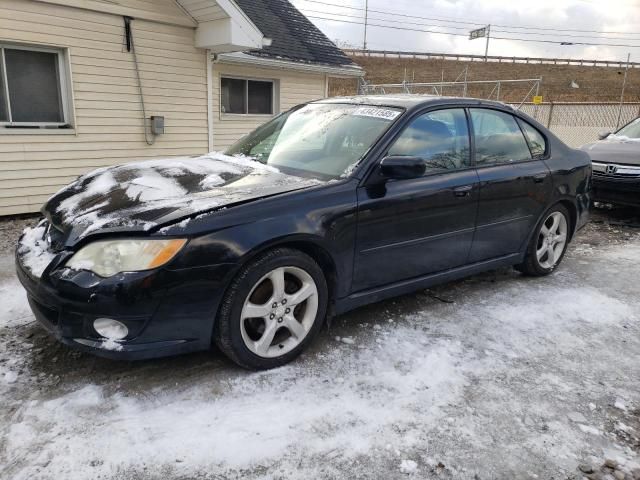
(535, 139)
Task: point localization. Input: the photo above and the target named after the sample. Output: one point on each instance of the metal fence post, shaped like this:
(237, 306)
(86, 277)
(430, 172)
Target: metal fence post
(550, 115)
(624, 84)
(535, 115)
(466, 70)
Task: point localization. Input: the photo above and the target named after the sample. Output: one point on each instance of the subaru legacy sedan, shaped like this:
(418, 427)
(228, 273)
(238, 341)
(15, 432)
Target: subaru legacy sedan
(327, 207)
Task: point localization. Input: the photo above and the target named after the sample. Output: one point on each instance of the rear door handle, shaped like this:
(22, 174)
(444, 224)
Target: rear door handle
(462, 191)
(540, 177)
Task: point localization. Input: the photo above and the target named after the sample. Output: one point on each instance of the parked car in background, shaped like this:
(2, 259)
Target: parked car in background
(616, 165)
(332, 205)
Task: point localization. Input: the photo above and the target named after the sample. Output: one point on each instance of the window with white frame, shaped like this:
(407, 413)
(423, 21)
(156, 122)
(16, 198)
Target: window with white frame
(33, 87)
(247, 97)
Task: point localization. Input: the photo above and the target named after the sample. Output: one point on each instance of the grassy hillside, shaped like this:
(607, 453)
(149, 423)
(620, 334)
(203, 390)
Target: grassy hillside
(596, 84)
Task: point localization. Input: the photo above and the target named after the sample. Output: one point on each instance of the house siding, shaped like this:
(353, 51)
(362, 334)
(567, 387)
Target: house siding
(108, 115)
(108, 128)
(294, 88)
(163, 11)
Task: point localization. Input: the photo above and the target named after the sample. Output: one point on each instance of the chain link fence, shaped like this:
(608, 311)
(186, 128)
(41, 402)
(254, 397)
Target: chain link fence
(574, 123)
(580, 123)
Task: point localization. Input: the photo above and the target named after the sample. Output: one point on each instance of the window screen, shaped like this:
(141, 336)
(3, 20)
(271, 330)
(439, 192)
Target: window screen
(260, 97)
(233, 95)
(247, 96)
(536, 141)
(498, 138)
(441, 138)
(34, 86)
(30, 87)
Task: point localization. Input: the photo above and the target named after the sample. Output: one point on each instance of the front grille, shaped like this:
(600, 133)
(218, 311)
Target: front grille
(615, 170)
(615, 175)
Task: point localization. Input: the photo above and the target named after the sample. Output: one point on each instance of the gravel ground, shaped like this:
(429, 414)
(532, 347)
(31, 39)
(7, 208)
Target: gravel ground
(497, 376)
(10, 229)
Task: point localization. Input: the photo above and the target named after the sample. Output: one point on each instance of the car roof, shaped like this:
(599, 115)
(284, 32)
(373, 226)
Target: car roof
(408, 101)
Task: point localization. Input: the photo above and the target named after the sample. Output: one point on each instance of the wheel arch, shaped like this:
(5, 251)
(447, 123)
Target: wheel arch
(573, 218)
(319, 253)
(307, 244)
(573, 214)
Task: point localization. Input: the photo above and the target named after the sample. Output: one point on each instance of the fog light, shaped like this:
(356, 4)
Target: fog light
(111, 329)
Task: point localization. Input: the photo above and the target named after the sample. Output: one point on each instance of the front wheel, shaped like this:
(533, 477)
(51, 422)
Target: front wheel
(272, 310)
(548, 243)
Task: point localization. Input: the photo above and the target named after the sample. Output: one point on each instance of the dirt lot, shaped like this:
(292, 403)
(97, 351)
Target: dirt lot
(495, 377)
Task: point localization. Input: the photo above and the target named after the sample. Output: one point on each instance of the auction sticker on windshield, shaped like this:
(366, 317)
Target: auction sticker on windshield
(386, 113)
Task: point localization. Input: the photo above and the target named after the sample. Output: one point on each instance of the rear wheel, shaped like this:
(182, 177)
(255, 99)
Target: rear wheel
(272, 310)
(548, 244)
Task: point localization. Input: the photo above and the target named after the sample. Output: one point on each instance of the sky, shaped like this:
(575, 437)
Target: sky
(621, 18)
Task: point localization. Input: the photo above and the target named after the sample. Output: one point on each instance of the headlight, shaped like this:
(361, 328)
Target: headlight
(108, 257)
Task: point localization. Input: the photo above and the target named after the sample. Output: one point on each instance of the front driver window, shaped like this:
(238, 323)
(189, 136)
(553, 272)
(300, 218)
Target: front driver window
(498, 138)
(440, 138)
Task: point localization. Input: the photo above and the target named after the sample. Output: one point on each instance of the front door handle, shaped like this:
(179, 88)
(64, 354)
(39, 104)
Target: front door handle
(462, 191)
(540, 177)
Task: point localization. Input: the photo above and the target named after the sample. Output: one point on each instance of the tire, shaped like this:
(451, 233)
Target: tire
(546, 250)
(266, 318)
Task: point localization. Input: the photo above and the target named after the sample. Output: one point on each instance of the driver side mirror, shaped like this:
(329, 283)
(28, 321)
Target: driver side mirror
(604, 134)
(401, 167)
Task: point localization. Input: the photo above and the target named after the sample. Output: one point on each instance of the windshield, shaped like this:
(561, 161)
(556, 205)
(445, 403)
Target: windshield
(630, 131)
(317, 140)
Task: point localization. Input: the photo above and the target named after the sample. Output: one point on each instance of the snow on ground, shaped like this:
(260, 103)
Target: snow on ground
(15, 314)
(516, 378)
(13, 301)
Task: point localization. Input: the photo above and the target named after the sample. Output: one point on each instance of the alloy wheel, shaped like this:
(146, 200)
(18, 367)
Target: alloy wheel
(279, 312)
(552, 240)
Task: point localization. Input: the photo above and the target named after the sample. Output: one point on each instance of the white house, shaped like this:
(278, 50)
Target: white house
(91, 83)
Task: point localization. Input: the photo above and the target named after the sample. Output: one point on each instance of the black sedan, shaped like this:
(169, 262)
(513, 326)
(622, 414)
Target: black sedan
(616, 166)
(329, 206)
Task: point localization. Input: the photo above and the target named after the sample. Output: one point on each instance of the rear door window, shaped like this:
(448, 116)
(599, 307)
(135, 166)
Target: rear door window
(440, 138)
(498, 138)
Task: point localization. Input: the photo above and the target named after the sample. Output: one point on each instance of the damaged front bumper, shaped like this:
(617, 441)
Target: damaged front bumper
(166, 311)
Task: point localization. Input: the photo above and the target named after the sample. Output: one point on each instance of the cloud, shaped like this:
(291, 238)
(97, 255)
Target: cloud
(562, 15)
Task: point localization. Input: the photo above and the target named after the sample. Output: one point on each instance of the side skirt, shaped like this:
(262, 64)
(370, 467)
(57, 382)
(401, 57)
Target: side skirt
(403, 287)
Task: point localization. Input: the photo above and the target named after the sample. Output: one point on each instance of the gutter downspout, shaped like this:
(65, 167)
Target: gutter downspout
(209, 64)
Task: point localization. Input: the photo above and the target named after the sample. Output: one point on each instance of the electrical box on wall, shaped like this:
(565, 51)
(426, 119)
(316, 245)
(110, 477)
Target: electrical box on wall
(157, 125)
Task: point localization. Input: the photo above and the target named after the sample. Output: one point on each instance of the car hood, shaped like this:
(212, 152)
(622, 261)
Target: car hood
(144, 195)
(615, 150)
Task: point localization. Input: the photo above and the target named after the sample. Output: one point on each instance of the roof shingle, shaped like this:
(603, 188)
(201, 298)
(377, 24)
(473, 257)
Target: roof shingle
(293, 36)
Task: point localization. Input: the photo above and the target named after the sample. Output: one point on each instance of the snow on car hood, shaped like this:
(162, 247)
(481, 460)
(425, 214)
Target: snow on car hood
(140, 196)
(615, 149)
